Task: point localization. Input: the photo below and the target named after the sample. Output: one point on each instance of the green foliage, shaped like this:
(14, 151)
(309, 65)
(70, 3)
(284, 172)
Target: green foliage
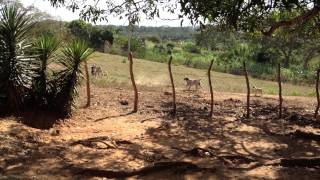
(96, 35)
(154, 39)
(242, 52)
(159, 48)
(79, 29)
(17, 68)
(249, 15)
(192, 48)
(49, 27)
(24, 81)
(170, 46)
(159, 34)
(137, 45)
(73, 55)
(44, 47)
(99, 36)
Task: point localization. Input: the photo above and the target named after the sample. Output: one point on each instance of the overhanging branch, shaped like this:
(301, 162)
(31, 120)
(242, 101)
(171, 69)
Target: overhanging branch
(297, 20)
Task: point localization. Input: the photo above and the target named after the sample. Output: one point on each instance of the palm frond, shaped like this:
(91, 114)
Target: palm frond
(73, 55)
(17, 66)
(44, 47)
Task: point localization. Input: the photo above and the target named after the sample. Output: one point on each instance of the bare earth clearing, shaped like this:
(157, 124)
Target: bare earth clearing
(106, 141)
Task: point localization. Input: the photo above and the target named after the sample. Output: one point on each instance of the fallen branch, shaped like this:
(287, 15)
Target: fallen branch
(107, 141)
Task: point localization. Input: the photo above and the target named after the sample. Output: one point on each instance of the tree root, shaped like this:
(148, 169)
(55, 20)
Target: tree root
(108, 143)
(311, 162)
(157, 167)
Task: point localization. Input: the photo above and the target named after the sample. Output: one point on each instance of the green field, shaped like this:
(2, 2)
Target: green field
(149, 73)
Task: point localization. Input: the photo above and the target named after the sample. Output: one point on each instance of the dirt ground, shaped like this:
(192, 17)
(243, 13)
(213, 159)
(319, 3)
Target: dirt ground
(106, 141)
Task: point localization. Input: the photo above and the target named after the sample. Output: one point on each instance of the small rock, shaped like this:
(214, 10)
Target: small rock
(54, 132)
(124, 102)
(167, 93)
(196, 96)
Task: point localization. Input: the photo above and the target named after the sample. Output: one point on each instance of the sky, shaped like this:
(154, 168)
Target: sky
(67, 15)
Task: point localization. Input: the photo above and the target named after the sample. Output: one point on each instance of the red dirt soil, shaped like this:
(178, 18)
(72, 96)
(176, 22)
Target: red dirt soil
(105, 140)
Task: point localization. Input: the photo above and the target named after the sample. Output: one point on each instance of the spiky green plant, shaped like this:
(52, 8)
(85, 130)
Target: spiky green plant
(45, 47)
(73, 56)
(17, 68)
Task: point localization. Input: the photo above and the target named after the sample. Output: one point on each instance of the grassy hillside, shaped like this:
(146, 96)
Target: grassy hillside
(149, 73)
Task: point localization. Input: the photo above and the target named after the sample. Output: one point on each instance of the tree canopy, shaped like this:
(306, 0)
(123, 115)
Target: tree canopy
(266, 16)
(251, 15)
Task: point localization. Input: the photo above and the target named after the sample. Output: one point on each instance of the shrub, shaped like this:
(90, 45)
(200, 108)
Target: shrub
(154, 39)
(138, 46)
(191, 48)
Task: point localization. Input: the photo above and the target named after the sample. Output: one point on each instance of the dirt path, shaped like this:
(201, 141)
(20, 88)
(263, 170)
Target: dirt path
(106, 140)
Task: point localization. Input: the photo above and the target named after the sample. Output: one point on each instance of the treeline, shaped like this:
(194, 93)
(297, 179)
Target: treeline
(297, 50)
(162, 32)
(97, 36)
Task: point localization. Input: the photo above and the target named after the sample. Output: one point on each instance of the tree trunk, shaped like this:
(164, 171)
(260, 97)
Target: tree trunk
(87, 84)
(135, 106)
(173, 88)
(305, 64)
(210, 86)
(312, 53)
(248, 89)
(280, 91)
(286, 61)
(317, 93)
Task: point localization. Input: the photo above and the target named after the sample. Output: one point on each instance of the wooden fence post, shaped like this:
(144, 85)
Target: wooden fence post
(136, 97)
(210, 86)
(173, 87)
(317, 93)
(280, 90)
(248, 89)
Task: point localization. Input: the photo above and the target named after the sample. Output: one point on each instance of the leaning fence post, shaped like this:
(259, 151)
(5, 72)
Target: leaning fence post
(210, 86)
(173, 88)
(317, 93)
(248, 89)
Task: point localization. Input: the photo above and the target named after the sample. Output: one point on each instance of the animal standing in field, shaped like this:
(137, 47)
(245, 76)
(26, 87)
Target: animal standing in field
(192, 82)
(93, 69)
(257, 91)
(99, 71)
(96, 70)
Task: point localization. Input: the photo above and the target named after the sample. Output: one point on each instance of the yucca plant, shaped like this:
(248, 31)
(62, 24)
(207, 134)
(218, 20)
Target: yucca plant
(17, 68)
(44, 47)
(73, 57)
